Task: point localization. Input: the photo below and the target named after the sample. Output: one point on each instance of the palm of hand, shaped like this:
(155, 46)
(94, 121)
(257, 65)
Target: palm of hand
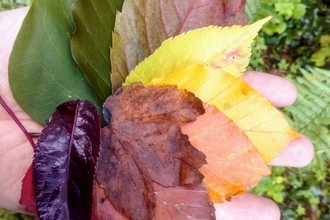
(16, 151)
(15, 154)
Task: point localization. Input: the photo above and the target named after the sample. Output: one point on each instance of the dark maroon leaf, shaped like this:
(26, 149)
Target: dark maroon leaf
(65, 161)
(144, 25)
(143, 143)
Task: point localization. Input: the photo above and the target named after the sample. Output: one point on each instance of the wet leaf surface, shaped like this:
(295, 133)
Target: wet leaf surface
(65, 161)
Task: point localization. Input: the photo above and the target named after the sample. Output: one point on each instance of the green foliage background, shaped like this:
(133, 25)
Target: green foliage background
(293, 44)
(11, 4)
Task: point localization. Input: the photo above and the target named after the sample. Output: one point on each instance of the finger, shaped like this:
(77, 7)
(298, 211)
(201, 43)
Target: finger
(247, 206)
(279, 91)
(299, 153)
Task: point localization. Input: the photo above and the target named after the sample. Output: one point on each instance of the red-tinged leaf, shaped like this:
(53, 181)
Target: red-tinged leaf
(65, 161)
(183, 202)
(27, 193)
(143, 143)
(144, 25)
(233, 163)
(174, 203)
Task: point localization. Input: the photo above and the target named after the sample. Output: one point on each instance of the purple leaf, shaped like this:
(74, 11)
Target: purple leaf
(65, 161)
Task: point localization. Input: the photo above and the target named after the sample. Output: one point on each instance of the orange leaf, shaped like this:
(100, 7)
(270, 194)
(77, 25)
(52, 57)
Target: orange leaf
(233, 163)
(265, 126)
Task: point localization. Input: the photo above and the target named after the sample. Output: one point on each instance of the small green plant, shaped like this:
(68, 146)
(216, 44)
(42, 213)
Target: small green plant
(322, 56)
(282, 11)
(296, 36)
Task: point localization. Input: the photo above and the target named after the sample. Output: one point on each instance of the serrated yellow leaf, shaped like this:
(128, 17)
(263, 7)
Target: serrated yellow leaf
(265, 126)
(226, 48)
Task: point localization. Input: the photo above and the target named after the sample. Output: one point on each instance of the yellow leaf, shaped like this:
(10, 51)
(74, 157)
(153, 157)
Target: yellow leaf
(265, 126)
(226, 48)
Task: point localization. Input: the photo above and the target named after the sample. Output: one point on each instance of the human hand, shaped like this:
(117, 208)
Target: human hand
(16, 153)
(280, 92)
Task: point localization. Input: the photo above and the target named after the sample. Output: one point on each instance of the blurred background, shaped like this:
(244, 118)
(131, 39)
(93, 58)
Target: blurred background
(295, 44)
(11, 4)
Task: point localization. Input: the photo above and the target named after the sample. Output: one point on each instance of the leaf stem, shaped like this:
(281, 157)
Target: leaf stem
(17, 121)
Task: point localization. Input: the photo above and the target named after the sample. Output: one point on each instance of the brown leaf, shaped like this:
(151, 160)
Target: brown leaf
(143, 143)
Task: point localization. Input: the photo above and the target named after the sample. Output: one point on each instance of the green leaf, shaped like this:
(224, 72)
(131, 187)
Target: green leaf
(299, 11)
(284, 9)
(144, 25)
(319, 57)
(252, 7)
(42, 72)
(325, 40)
(277, 25)
(91, 42)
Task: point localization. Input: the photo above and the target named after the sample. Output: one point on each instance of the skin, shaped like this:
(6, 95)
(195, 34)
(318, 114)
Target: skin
(16, 152)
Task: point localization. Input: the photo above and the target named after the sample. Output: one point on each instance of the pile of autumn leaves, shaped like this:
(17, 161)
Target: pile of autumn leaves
(239, 132)
(185, 129)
